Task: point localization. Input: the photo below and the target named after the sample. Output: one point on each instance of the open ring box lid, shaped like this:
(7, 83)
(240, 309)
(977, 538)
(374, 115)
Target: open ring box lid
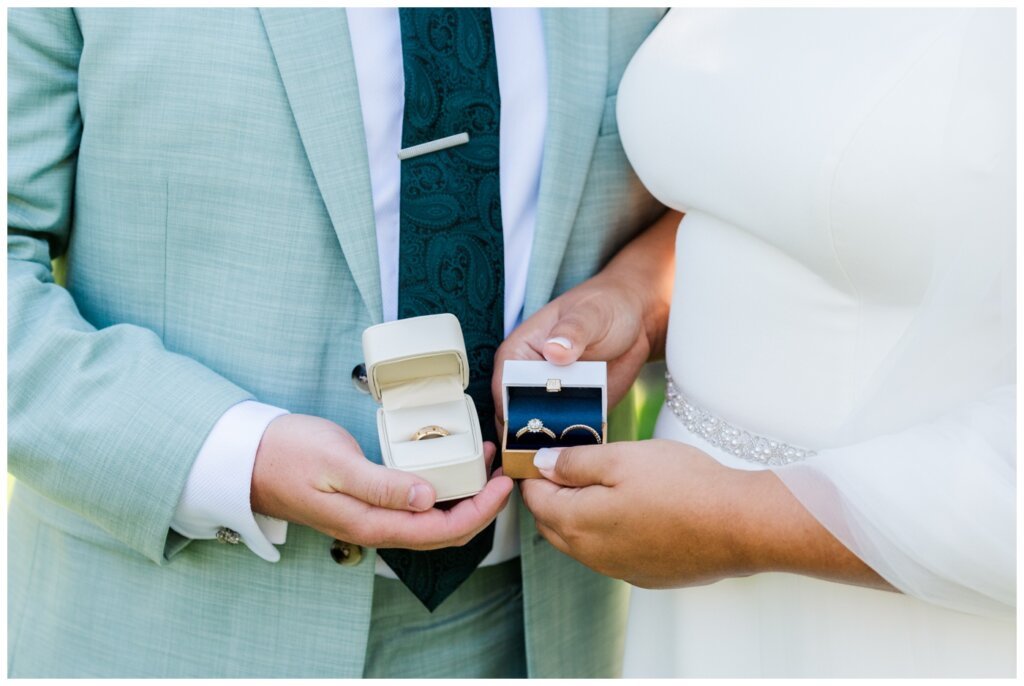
(418, 371)
(561, 398)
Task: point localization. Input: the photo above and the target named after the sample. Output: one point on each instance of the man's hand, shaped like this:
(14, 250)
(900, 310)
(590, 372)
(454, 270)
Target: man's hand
(312, 472)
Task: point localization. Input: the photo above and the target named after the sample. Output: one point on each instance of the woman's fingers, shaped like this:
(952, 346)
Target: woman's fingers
(579, 466)
(578, 328)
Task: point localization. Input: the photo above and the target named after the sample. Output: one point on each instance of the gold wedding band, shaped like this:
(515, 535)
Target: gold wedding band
(597, 436)
(432, 431)
(535, 426)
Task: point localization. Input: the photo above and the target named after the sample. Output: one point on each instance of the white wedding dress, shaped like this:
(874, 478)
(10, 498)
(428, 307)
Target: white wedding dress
(845, 289)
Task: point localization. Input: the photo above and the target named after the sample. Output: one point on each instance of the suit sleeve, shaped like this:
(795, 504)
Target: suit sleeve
(105, 422)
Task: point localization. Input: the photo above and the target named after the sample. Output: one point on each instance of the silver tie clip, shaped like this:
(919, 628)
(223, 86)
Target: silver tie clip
(433, 146)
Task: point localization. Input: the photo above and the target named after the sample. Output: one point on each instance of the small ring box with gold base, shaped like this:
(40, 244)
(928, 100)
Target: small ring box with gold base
(418, 371)
(545, 400)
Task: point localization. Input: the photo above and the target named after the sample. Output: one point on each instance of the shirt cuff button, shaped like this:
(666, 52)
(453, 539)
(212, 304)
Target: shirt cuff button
(226, 535)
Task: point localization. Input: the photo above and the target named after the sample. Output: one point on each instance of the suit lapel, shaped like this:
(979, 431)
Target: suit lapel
(577, 52)
(315, 61)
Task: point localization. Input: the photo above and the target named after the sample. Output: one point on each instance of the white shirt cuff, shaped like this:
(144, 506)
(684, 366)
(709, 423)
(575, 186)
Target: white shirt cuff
(216, 494)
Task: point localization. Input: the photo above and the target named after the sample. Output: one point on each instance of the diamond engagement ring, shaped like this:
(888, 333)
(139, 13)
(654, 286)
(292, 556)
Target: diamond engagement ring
(571, 427)
(535, 426)
(432, 431)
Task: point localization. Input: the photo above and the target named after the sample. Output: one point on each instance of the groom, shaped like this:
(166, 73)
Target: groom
(223, 195)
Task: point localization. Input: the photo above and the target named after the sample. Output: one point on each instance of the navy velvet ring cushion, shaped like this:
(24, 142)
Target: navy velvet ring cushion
(571, 405)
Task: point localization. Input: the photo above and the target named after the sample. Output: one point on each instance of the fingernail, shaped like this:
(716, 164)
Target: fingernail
(546, 458)
(562, 341)
(420, 497)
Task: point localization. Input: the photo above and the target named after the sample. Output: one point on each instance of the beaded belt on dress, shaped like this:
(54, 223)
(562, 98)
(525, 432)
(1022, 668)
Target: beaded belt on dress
(732, 440)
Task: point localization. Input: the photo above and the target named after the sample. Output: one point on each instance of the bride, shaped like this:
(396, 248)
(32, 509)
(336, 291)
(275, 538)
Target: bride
(831, 491)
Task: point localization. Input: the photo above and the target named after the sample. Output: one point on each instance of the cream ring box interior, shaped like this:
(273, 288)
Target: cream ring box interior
(418, 371)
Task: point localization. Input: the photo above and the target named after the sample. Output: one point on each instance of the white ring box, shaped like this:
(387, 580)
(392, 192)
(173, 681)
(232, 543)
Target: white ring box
(418, 371)
(538, 389)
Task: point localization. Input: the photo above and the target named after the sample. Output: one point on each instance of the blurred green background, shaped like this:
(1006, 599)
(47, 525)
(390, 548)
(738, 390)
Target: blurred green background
(634, 417)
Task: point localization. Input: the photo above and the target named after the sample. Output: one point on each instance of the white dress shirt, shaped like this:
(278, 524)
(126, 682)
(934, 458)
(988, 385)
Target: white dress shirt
(217, 492)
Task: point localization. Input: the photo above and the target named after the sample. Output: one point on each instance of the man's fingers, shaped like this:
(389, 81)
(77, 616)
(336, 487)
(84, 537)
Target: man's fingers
(489, 452)
(579, 466)
(378, 527)
(471, 515)
(382, 487)
(391, 488)
(458, 524)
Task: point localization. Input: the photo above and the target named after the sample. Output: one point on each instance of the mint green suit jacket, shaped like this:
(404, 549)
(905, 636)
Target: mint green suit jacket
(202, 177)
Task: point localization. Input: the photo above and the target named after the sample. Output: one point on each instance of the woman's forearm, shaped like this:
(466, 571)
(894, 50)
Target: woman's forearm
(773, 531)
(778, 534)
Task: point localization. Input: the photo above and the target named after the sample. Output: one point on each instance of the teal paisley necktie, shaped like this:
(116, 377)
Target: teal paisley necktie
(451, 248)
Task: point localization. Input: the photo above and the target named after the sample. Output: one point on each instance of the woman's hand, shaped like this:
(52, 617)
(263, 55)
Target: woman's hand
(597, 320)
(619, 316)
(656, 513)
(663, 514)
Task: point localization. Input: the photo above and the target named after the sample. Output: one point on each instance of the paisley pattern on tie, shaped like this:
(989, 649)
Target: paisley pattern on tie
(451, 248)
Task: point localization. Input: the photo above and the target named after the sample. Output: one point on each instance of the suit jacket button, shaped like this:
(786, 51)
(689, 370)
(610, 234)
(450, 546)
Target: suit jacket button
(346, 554)
(359, 379)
